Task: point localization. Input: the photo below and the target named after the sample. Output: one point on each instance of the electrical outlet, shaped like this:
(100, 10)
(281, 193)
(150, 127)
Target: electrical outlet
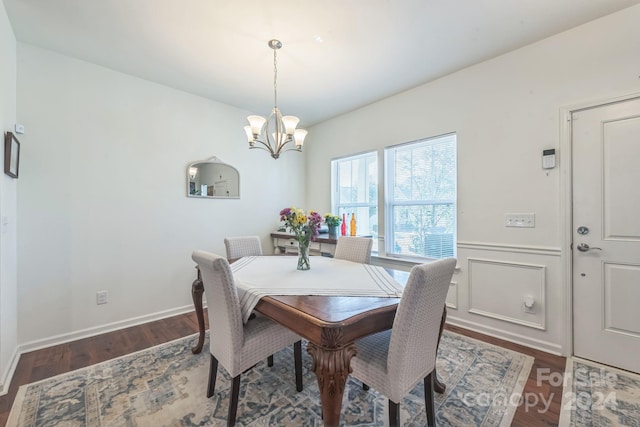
(525, 220)
(528, 304)
(101, 297)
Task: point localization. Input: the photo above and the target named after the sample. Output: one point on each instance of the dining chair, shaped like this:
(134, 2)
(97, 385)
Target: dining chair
(356, 249)
(394, 361)
(240, 246)
(237, 346)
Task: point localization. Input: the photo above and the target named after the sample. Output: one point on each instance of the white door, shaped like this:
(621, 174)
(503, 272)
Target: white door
(606, 234)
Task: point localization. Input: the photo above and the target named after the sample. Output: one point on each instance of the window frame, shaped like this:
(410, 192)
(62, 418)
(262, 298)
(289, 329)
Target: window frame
(389, 203)
(335, 191)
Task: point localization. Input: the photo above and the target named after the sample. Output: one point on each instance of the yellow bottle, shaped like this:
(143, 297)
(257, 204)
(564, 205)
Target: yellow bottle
(352, 225)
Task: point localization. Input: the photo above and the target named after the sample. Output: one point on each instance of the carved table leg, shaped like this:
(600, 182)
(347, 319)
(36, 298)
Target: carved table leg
(439, 386)
(197, 289)
(332, 367)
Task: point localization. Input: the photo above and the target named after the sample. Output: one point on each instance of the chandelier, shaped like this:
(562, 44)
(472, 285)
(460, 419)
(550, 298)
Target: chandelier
(274, 133)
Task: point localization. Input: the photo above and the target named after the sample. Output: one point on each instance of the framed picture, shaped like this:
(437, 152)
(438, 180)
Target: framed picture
(11, 154)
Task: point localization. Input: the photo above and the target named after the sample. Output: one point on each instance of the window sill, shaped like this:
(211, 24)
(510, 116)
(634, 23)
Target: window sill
(400, 263)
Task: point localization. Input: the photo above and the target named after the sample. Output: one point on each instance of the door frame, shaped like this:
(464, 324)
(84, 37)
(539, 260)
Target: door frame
(566, 205)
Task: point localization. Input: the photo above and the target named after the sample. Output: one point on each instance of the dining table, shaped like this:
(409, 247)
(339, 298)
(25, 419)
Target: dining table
(330, 323)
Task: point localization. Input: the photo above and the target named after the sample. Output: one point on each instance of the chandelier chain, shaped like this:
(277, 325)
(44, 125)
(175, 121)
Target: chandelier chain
(275, 78)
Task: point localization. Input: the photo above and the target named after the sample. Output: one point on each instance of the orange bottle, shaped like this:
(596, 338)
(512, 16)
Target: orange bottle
(352, 225)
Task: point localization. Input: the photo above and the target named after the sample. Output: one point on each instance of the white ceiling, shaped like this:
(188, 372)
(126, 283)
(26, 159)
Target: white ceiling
(370, 49)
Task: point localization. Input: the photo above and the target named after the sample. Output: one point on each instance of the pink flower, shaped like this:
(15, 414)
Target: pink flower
(284, 213)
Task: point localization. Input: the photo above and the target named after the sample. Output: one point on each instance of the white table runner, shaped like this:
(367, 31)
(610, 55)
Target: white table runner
(260, 276)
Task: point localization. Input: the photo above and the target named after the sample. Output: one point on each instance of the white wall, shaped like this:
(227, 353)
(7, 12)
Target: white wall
(8, 280)
(103, 201)
(505, 111)
(102, 182)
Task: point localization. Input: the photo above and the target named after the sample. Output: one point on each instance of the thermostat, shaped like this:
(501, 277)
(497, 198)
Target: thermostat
(549, 158)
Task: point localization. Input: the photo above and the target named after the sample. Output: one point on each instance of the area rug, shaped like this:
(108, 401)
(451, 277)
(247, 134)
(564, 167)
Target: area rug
(596, 395)
(165, 386)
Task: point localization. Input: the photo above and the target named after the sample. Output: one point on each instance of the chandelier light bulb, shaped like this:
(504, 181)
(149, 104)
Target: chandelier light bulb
(299, 136)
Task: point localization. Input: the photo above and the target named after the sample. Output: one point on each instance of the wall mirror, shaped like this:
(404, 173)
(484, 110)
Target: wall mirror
(213, 179)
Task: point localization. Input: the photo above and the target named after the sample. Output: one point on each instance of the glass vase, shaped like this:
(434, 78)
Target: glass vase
(303, 255)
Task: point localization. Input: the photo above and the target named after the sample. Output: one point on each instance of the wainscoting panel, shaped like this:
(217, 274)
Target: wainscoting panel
(452, 296)
(500, 289)
(492, 284)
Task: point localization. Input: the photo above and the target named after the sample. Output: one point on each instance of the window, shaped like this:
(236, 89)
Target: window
(420, 198)
(354, 182)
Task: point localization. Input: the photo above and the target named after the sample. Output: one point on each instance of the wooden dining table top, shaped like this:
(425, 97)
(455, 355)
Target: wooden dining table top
(335, 309)
(312, 316)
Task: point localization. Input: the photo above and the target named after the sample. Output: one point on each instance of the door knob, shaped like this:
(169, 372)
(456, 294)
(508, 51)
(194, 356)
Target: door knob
(583, 247)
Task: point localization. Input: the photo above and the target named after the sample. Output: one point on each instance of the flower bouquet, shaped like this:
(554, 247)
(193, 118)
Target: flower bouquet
(304, 226)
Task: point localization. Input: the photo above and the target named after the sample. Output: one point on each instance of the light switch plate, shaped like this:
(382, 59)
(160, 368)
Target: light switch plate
(101, 297)
(524, 220)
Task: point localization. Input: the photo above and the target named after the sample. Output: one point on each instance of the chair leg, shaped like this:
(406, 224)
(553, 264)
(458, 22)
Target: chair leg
(394, 414)
(213, 373)
(428, 399)
(365, 387)
(297, 358)
(270, 361)
(233, 404)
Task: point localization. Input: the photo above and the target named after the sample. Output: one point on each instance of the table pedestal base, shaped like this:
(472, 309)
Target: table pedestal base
(197, 289)
(332, 368)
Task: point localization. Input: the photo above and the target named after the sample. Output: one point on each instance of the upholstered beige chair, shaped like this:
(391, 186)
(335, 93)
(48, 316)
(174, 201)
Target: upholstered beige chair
(237, 247)
(356, 249)
(237, 346)
(394, 361)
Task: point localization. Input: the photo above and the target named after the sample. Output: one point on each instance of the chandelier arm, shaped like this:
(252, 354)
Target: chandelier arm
(281, 146)
(261, 148)
(267, 144)
(292, 149)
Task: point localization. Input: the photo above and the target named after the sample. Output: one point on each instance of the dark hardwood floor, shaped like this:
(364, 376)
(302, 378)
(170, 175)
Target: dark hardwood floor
(51, 361)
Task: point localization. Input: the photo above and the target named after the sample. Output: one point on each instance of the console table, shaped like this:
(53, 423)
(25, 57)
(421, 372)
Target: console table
(286, 243)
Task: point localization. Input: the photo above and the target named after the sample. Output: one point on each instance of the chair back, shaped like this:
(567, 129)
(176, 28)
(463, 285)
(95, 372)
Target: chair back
(414, 336)
(223, 307)
(356, 249)
(237, 247)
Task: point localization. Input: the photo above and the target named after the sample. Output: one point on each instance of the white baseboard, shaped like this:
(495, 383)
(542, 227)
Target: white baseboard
(524, 340)
(7, 375)
(102, 329)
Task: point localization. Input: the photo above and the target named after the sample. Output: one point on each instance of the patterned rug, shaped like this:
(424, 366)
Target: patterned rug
(596, 395)
(165, 386)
